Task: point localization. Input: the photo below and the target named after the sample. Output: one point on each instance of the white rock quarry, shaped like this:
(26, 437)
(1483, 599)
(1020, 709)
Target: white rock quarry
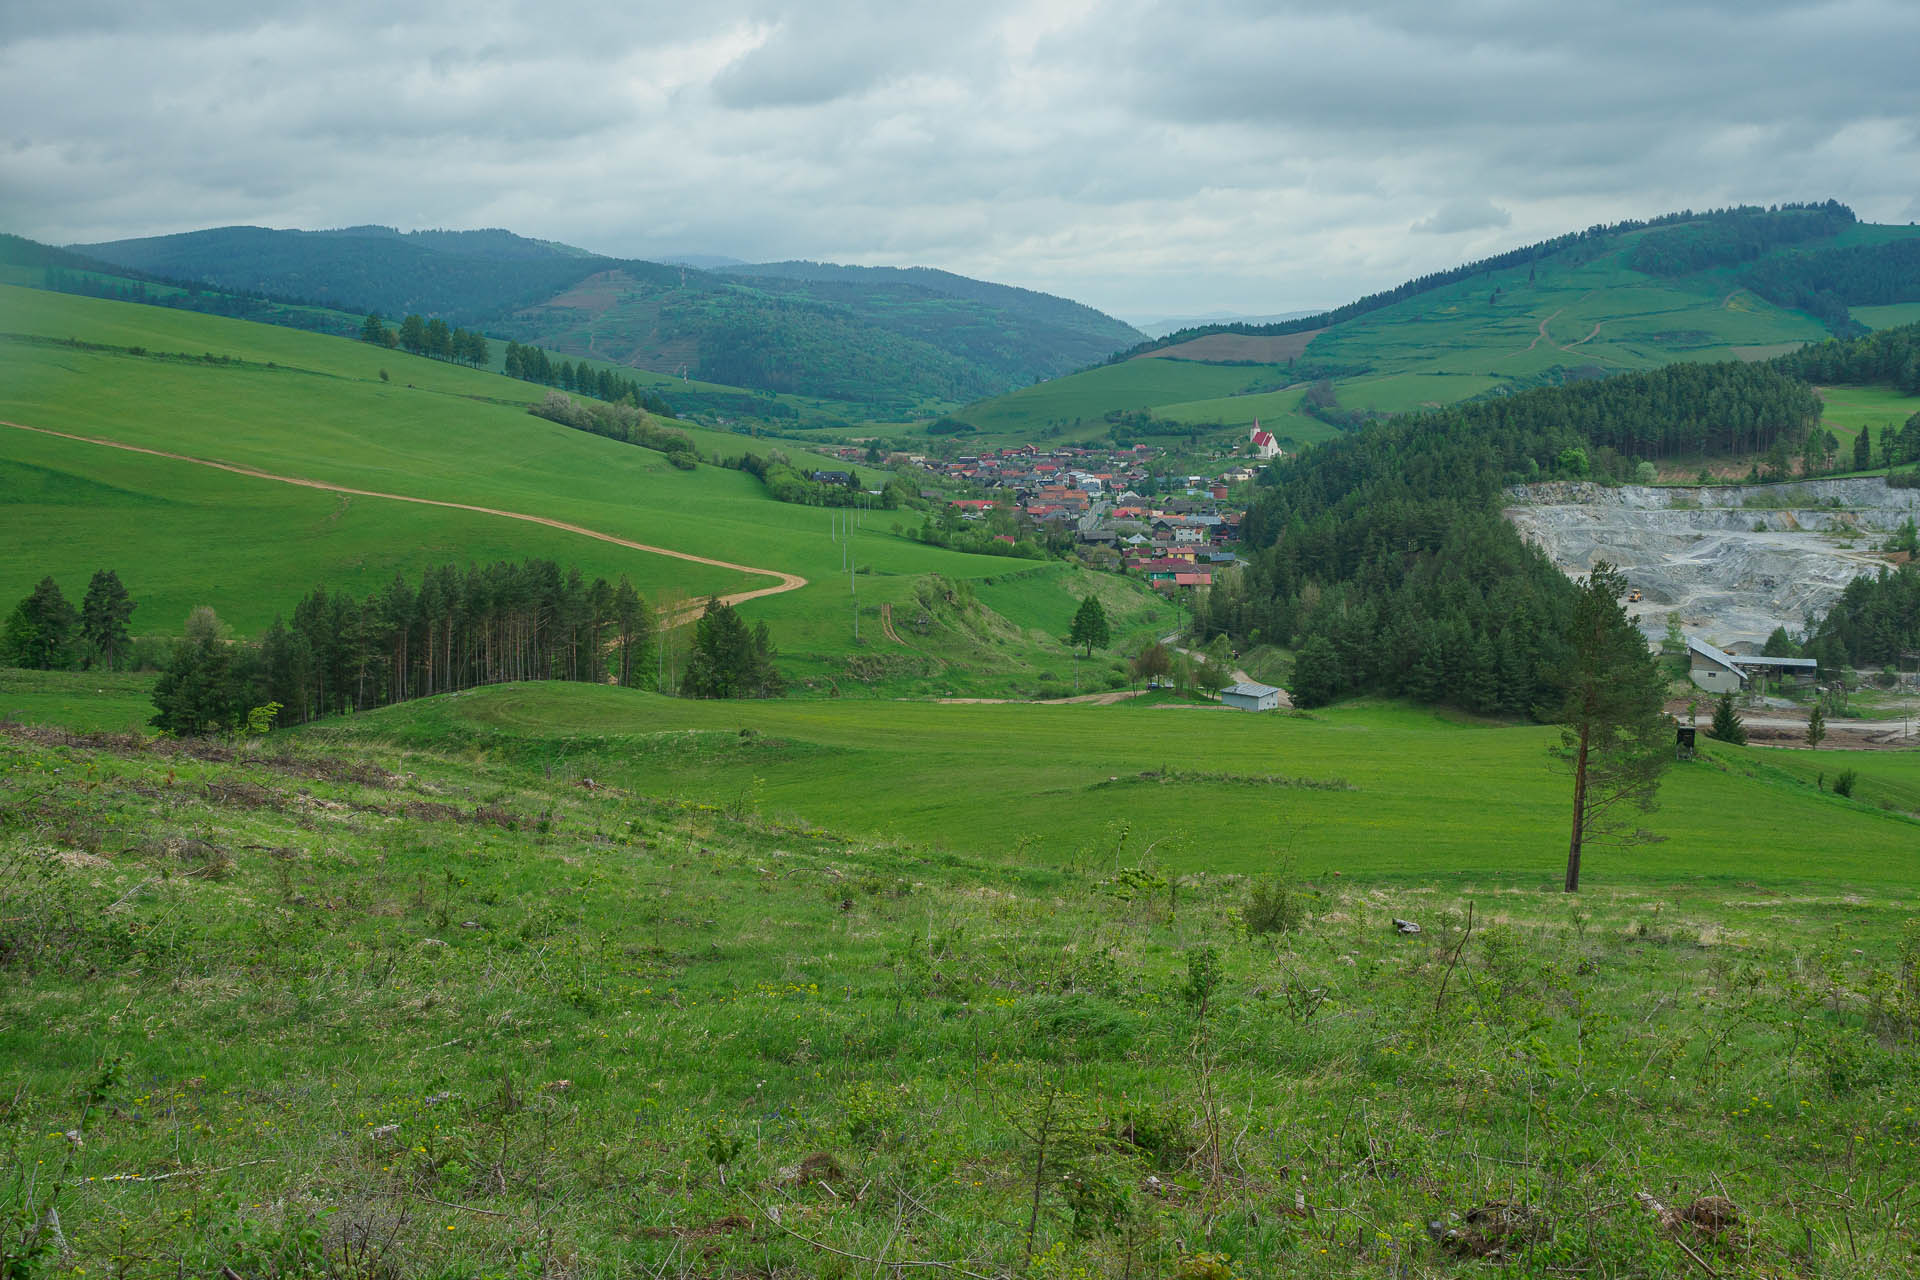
(1733, 562)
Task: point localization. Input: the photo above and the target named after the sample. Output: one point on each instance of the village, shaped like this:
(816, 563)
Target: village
(1118, 508)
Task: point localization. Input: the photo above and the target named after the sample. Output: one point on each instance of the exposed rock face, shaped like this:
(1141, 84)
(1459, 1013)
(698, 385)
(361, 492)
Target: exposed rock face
(1733, 562)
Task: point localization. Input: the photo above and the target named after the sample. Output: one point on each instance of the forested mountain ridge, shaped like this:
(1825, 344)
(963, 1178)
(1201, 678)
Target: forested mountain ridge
(1745, 283)
(879, 338)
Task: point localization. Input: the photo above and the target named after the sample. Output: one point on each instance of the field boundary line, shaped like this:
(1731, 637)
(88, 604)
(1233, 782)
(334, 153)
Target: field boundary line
(788, 581)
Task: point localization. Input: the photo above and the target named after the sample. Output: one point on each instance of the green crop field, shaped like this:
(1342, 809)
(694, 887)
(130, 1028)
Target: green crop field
(297, 404)
(1078, 402)
(534, 983)
(1372, 791)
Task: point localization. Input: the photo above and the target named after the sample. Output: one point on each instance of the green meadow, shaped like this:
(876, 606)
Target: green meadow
(297, 404)
(1078, 402)
(1845, 410)
(445, 993)
(1379, 792)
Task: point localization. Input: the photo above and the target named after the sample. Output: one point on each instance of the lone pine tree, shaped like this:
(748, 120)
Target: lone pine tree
(1614, 733)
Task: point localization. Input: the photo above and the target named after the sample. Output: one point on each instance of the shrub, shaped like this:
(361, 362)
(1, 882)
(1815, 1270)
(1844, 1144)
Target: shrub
(1274, 905)
(1843, 783)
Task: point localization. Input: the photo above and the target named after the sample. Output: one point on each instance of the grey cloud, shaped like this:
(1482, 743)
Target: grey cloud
(1143, 156)
(1463, 215)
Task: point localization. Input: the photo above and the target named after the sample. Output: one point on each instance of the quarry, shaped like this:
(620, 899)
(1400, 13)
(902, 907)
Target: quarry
(1731, 561)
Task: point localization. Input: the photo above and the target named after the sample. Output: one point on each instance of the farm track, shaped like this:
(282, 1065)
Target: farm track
(788, 581)
(886, 625)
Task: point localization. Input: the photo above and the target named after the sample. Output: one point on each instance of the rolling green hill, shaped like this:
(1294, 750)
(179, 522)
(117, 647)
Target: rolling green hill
(1220, 790)
(345, 413)
(880, 338)
(1745, 286)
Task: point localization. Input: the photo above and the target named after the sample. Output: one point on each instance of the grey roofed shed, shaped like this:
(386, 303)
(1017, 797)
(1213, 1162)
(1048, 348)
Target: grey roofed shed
(1248, 696)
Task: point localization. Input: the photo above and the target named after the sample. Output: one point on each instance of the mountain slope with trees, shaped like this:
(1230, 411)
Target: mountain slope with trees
(876, 337)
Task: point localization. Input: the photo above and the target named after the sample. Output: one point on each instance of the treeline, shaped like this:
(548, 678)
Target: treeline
(786, 483)
(1382, 559)
(1724, 237)
(1886, 355)
(1678, 410)
(1875, 622)
(621, 421)
(1827, 282)
(44, 632)
(260, 308)
(531, 364)
(452, 630)
(431, 338)
(1593, 238)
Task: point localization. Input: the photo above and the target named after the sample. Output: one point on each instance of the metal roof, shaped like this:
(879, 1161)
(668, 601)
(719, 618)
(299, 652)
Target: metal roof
(1248, 689)
(1756, 660)
(1706, 650)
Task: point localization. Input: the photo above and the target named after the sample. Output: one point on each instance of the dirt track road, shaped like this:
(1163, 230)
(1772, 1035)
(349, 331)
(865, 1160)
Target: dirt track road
(788, 581)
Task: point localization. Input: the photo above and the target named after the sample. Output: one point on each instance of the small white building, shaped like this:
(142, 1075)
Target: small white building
(1248, 696)
(1265, 447)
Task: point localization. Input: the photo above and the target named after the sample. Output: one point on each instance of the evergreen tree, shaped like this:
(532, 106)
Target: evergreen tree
(1090, 626)
(1817, 723)
(633, 631)
(196, 694)
(104, 613)
(728, 661)
(1863, 449)
(1614, 736)
(40, 632)
(1727, 726)
(1316, 673)
(372, 330)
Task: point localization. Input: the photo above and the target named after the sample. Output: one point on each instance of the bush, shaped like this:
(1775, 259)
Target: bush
(1274, 905)
(1843, 783)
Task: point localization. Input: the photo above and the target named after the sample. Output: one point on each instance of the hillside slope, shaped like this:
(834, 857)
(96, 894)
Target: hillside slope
(865, 336)
(345, 413)
(1735, 285)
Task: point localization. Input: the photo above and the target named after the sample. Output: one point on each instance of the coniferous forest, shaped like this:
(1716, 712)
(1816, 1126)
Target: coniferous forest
(1383, 559)
(452, 630)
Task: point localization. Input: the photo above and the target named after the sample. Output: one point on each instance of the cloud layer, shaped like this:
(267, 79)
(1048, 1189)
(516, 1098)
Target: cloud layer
(1143, 157)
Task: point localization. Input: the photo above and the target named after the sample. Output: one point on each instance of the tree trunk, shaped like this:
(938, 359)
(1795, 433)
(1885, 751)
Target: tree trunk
(1579, 813)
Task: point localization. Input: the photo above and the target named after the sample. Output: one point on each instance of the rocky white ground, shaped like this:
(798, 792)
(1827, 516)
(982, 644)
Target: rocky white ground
(1733, 562)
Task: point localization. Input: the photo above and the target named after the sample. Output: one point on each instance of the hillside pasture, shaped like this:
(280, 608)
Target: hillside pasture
(1237, 348)
(1372, 791)
(284, 1011)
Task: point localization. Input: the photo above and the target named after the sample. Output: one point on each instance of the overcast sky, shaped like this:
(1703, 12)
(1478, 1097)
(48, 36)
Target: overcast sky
(1146, 158)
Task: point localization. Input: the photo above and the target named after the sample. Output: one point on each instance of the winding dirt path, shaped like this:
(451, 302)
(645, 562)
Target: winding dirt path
(788, 581)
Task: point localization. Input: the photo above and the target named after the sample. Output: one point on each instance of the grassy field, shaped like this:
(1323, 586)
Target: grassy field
(298, 404)
(1355, 789)
(1845, 410)
(411, 1012)
(1076, 403)
(1890, 317)
(86, 701)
